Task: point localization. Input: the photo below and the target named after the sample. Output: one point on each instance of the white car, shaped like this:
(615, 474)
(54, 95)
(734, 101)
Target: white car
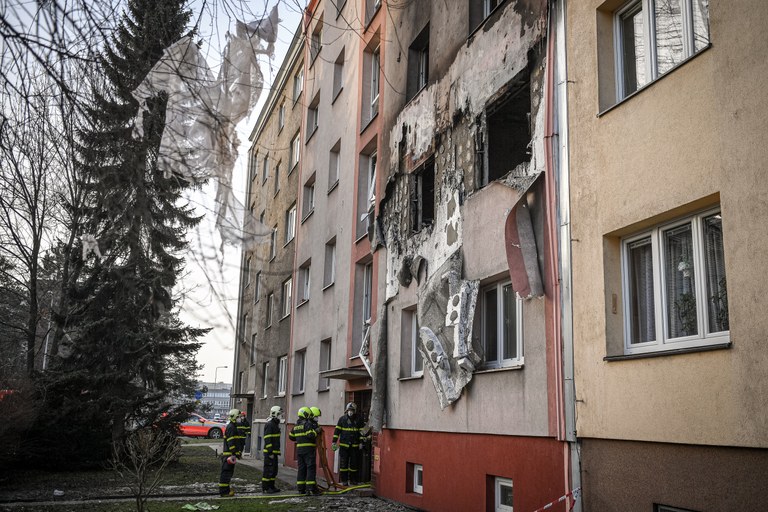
(217, 417)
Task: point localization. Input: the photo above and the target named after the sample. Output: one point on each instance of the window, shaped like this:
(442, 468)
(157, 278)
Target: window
(325, 364)
(313, 116)
(316, 41)
(295, 152)
(298, 85)
(503, 493)
(265, 169)
(290, 223)
(245, 322)
(651, 37)
(506, 132)
(418, 479)
(423, 196)
(338, 74)
(418, 64)
(501, 327)
(339, 6)
(308, 198)
(369, 107)
(412, 363)
(253, 166)
(334, 163)
(282, 374)
(285, 310)
(247, 271)
(273, 243)
(264, 379)
(367, 293)
(252, 356)
(667, 508)
(366, 193)
(479, 10)
(256, 287)
(674, 286)
(329, 271)
(363, 304)
(281, 116)
(299, 371)
(371, 8)
(270, 307)
(304, 274)
(277, 178)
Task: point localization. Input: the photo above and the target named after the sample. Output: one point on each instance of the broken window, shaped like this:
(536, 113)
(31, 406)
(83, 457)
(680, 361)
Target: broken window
(423, 196)
(366, 194)
(418, 64)
(363, 304)
(500, 314)
(504, 138)
(479, 10)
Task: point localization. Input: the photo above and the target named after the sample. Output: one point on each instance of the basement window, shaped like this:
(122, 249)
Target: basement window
(414, 478)
(423, 196)
(503, 495)
(504, 138)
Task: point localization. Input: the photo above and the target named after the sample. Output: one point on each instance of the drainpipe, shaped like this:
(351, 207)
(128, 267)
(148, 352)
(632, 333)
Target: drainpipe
(559, 146)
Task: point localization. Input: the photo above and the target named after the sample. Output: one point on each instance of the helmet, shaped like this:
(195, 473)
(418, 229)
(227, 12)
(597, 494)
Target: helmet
(351, 407)
(304, 412)
(233, 414)
(315, 411)
(275, 411)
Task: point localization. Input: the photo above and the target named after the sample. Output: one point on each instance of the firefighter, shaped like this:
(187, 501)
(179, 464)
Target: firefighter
(271, 450)
(233, 450)
(346, 438)
(304, 434)
(243, 430)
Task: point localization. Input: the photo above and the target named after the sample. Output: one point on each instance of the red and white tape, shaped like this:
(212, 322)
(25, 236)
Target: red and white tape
(574, 493)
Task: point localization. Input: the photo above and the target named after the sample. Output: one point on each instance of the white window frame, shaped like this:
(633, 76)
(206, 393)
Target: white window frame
(290, 223)
(300, 358)
(415, 346)
(375, 86)
(308, 197)
(649, 41)
(329, 269)
(264, 379)
(287, 298)
(418, 488)
(662, 341)
(324, 383)
(270, 307)
(298, 85)
(367, 294)
(273, 244)
(497, 485)
(282, 373)
(500, 361)
(295, 152)
(304, 282)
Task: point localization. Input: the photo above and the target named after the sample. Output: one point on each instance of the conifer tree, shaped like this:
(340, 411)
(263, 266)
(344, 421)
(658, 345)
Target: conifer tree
(127, 353)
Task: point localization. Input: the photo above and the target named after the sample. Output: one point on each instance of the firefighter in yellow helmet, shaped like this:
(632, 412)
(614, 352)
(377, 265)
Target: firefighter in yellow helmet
(304, 434)
(233, 450)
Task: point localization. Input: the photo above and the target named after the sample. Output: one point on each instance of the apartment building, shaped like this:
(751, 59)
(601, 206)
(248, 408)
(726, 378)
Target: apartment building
(266, 286)
(667, 115)
(468, 353)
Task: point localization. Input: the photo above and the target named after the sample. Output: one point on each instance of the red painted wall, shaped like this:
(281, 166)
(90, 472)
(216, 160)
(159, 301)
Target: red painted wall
(457, 468)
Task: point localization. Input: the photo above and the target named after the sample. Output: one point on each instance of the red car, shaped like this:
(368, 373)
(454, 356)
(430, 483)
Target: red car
(197, 426)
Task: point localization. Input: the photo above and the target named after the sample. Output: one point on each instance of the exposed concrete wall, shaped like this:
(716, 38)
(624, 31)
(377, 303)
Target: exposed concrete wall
(443, 121)
(692, 138)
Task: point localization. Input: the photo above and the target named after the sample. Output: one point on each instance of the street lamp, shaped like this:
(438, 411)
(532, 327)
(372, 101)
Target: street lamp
(216, 377)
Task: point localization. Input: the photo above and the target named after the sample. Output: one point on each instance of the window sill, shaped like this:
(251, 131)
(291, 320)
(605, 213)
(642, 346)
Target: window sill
(500, 369)
(263, 398)
(672, 352)
(298, 393)
(279, 395)
(296, 99)
(308, 215)
(267, 326)
(328, 285)
(650, 84)
(311, 134)
(333, 186)
(287, 242)
(301, 303)
(412, 377)
(336, 95)
(323, 390)
(372, 18)
(293, 167)
(369, 122)
(482, 22)
(284, 317)
(275, 194)
(361, 237)
(271, 259)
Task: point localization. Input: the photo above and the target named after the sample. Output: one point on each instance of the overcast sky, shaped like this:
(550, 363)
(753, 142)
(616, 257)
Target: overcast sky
(211, 285)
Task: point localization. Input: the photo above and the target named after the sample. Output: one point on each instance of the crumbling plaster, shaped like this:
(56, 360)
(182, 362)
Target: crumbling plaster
(443, 120)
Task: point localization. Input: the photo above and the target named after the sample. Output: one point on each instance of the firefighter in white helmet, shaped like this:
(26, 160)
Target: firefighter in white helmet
(271, 450)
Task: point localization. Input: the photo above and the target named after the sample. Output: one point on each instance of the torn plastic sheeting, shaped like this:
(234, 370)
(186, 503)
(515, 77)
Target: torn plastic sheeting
(522, 254)
(440, 344)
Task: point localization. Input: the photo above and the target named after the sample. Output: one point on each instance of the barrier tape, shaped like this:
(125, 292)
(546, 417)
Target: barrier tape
(574, 493)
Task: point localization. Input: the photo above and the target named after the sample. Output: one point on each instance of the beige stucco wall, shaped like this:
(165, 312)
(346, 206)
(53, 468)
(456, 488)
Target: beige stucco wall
(324, 316)
(693, 138)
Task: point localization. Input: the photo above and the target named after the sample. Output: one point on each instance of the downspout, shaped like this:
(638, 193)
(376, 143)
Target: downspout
(558, 148)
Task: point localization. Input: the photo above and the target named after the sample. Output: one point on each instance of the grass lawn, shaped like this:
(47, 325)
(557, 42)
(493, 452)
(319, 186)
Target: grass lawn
(242, 503)
(196, 472)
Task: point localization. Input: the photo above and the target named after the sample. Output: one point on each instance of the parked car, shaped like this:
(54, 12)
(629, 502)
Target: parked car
(197, 426)
(217, 417)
